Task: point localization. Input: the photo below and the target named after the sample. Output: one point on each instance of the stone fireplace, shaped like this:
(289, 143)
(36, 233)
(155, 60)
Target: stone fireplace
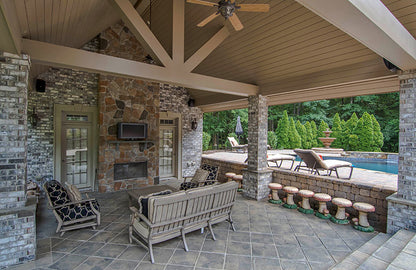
(130, 170)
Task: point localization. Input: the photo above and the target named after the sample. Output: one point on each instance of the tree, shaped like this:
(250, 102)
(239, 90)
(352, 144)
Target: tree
(378, 135)
(206, 138)
(322, 127)
(272, 139)
(302, 133)
(365, 133)
(347, 131)
(294, 138)
(309, 136)
(336, 131)
(282, 131)
(314, 134)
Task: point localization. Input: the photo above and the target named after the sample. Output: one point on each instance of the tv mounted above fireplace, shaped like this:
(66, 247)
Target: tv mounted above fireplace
(132, 131)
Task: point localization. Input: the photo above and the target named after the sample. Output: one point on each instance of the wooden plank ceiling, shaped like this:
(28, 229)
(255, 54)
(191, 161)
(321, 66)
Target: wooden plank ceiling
(289, 48)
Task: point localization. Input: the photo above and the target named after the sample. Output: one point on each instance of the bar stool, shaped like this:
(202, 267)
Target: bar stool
(229, 176)
(363, 210)
(305, 207)
(322, 198)
(239, 179)
(340, 216)
(291, 191)
(275, 187)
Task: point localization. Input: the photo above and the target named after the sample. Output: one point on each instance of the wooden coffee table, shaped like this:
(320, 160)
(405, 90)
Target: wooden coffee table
(134, 194)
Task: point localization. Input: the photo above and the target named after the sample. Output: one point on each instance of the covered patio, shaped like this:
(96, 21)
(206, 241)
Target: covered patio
(71, 73)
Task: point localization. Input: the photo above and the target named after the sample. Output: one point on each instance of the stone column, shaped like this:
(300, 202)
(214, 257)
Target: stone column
(257, 176)
(17, 218)
(402, 205)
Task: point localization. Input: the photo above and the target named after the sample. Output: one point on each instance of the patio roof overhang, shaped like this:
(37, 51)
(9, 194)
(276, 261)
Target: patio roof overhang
(299, 51)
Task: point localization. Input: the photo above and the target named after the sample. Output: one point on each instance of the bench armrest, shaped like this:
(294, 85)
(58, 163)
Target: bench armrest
(137, 214)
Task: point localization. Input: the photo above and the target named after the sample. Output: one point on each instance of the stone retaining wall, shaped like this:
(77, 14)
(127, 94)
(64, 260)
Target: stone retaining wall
(334, 187)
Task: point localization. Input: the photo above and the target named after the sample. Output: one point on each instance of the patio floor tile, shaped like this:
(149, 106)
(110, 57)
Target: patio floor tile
(267, 237)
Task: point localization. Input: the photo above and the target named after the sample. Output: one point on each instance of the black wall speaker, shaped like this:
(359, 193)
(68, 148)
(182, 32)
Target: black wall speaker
(40, 85)
(191, 102)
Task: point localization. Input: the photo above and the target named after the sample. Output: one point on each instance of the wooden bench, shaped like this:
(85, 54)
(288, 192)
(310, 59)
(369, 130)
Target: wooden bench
(178, 213)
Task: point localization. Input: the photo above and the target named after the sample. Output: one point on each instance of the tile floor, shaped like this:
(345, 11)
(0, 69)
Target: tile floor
(267, 237)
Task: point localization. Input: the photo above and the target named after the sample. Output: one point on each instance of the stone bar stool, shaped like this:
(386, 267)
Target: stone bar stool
(289, 199)
(239, 179)
(229, 176)
(340, 216)
(305, 207)
(363, 210)
(322, 198)
(275, 187)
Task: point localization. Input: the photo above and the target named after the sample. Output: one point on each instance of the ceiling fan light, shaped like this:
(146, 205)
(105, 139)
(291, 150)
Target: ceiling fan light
(226, 8)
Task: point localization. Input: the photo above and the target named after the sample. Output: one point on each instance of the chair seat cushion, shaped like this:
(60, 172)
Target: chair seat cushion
(275, 157)
(333, 163)
(77, 211)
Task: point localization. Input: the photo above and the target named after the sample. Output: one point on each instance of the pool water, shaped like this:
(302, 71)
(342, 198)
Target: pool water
(370, 164)
(377, 166)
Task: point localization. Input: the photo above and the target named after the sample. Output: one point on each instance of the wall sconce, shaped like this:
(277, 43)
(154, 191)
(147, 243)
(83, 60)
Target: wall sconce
(33, 118)
(194, 124)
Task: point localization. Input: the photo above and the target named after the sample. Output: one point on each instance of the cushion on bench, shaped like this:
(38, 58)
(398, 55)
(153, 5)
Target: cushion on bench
(144, 201)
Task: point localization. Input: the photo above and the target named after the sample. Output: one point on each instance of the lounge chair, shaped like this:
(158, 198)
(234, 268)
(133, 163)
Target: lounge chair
(314, 163)
(280, 157)
(236, 146)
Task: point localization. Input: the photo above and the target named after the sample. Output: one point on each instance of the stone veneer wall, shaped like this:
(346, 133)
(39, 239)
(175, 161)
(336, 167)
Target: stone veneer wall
(127, 100)
(402, 206)
(175, 99)
(17, 220)
(65, 87)
(332, 186)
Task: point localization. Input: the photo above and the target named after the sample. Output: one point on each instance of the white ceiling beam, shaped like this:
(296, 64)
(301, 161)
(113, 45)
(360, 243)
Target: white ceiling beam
(60, 56)
(206, 49)
(372, 24)
(178, 34)
(10, 37)
(141, 31)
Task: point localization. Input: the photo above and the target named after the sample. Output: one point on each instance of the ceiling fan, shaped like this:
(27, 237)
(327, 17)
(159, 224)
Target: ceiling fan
(227, 8)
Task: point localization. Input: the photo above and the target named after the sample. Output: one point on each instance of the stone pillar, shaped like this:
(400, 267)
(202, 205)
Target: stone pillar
(402, 205)
(257, 176)
(17, 219)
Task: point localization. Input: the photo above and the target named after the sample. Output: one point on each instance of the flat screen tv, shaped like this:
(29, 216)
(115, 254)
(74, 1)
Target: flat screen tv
(132, 131)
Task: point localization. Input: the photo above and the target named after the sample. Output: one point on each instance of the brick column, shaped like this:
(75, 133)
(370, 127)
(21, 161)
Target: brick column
(257, 176)
(402, 205)
(17, 219)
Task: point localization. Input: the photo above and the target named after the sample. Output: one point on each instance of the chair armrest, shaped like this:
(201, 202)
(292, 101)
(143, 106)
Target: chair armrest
(72, 203)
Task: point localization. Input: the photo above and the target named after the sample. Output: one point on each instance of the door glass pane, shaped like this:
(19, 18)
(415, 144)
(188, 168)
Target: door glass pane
(166, 152)
(76, 155)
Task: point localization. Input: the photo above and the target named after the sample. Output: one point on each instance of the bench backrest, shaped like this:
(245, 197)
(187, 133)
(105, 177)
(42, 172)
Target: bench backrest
(186, 207)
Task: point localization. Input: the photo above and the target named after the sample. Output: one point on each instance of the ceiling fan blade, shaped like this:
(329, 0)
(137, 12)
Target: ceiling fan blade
(200, 2)
(235, 21)
(208, 19)
(254, 7)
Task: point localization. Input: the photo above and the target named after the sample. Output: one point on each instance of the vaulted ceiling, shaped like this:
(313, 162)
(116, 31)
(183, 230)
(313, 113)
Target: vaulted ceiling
(290, 53)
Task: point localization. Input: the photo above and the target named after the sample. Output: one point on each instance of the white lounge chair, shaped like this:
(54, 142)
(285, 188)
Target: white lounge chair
(236, 146)
(314, 163)
(280, 157)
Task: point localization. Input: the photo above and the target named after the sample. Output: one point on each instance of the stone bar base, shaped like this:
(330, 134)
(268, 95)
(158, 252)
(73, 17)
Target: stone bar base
(401, 214)
(255, 184)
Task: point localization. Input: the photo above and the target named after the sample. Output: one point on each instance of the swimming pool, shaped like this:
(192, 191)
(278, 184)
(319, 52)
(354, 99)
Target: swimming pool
(373, 164)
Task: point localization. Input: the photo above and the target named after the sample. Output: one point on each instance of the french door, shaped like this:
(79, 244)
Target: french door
(170, 163)
(75, 147)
